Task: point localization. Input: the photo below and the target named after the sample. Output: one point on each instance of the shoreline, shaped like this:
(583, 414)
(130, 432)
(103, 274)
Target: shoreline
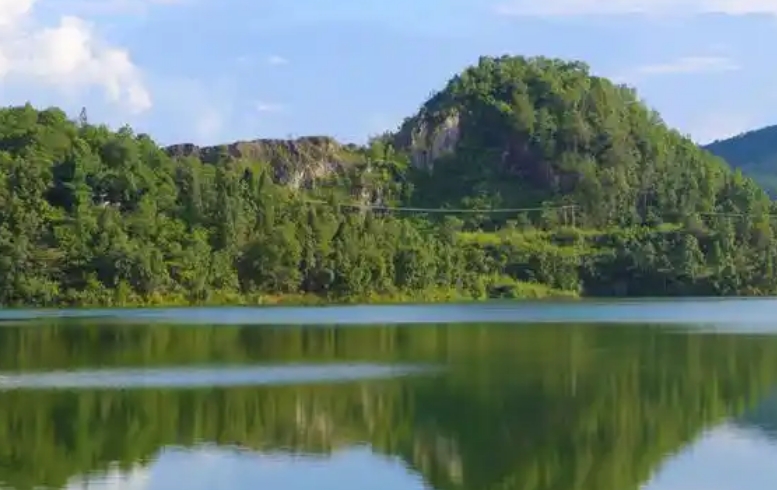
(522, 292)
(292, 301)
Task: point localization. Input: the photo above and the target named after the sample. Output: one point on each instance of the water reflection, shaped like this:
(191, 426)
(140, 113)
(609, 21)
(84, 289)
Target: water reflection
(725, 458)
(726, 313)
(212, 467)
(194, 377)
(531, 407)
(763, 417)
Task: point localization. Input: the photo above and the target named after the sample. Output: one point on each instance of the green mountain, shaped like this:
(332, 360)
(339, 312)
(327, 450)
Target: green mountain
(516, 131)
(755, 152)
(620, 204)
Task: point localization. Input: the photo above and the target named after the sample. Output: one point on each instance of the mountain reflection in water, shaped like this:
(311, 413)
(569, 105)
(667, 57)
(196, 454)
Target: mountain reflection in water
(552, 406)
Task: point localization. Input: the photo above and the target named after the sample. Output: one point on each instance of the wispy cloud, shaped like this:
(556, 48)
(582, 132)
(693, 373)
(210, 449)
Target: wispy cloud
(616, 7)
(269, 107)
(244, 61)
(690, 64)
(277, 60)
(91, 8)
(687, 65)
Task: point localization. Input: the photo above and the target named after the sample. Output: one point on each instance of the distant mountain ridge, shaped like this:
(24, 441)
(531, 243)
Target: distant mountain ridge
(754, 152)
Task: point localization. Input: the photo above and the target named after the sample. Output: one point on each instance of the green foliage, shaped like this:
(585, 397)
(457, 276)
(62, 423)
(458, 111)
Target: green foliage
(534, 132)
(619, 204)
(91, 216)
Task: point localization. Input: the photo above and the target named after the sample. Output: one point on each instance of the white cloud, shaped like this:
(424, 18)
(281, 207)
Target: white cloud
(113, 7)
(13, 10)
(269, 107)
(687, 65)
(690, 64)
(277, 60)
(614, 7)
(68, 57)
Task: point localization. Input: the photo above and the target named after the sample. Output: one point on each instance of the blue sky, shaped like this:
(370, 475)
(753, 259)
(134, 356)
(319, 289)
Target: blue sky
(210, 71)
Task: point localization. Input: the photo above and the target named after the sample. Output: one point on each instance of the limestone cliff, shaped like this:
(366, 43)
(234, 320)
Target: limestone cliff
(429, 137)
(298, 163)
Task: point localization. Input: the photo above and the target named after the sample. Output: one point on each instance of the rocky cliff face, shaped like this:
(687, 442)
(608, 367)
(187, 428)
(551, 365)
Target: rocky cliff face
(428, 138)
(298, 163)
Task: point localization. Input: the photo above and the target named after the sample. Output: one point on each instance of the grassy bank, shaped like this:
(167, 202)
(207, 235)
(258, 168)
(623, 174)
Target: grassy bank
(495, 288)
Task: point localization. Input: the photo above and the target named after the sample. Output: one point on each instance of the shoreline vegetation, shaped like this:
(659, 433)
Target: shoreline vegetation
(516, 291)
(522, 178)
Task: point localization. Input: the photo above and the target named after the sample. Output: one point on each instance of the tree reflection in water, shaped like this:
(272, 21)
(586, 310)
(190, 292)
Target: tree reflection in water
(546, 407)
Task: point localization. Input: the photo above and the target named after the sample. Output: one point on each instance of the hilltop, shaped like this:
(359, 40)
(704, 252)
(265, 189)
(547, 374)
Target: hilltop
(94, 216)
(754, 152)
(514, 131)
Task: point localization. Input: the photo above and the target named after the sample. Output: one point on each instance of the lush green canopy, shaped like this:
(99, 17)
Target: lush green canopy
(93, 216)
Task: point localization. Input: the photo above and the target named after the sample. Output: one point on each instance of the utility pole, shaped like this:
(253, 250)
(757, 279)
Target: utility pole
(83, 120)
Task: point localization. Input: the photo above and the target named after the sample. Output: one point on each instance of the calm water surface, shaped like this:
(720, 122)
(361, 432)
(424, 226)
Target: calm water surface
(650, 395)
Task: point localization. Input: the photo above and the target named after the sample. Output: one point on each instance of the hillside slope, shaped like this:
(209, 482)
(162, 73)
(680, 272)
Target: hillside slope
(755, 152)
(94, 216)
(515, 131)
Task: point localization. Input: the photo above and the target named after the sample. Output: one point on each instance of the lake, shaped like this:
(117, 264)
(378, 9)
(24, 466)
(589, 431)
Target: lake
(649, 395)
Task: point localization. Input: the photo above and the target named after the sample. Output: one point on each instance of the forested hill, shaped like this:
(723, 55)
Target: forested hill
(624, 205)
(755, 152)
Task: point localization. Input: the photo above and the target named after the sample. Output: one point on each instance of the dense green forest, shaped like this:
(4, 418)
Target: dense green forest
(755, 152)
(586, 407)
(613, 202)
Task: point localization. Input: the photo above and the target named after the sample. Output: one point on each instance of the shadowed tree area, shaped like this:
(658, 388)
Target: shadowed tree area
(516, 407)
(754, 152)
